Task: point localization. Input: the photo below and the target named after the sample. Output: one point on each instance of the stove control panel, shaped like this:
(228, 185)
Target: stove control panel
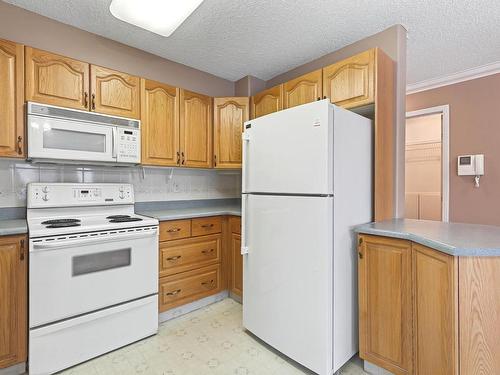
(67, 195)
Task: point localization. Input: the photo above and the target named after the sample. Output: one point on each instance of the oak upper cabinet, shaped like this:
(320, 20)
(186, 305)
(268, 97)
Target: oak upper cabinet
(302, 90)
(351, 82)
(114, 93)
(385, 303)
(196, 129)
(229, 116)
(56, 80)
(13, 297)
(267, 101)
(160, 124)
(236, 276)
(435, 312)
(11, 99)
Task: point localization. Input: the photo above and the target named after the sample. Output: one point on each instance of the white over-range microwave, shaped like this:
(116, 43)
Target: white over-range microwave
(65, 135)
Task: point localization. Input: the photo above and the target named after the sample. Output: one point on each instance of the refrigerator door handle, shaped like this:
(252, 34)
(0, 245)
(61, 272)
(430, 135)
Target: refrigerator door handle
(246, 139)
(244, 247)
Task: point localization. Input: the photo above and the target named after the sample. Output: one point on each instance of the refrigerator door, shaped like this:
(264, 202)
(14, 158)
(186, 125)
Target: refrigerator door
(287, 275)
(290, 152)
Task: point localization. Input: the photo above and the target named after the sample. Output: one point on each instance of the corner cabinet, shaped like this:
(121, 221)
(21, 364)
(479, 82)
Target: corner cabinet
(229, 115)
(351, 82)
(56, 80)
(13, 297)
(267, 101)
(160, 124)
(114, 93)
(195, 129)
(11, 99)
(304, 89)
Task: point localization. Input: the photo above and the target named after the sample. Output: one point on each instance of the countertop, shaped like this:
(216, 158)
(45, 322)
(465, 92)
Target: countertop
(190, 209)
(452, 238)
(13, 226)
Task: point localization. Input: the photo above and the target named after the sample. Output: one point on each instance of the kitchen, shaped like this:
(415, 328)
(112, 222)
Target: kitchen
(107, 143)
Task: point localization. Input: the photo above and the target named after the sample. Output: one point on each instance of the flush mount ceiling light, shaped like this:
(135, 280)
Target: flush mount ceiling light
(158, 16)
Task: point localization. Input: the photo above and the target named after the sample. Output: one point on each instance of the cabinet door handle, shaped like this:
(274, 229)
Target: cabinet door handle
(178, 158)
(174, 257)
(173, 293)
(360, 255)
(324, 97)
(215, 160)
(93, 101)
(206, 252)
(22, 250)
(182, 154)
(207, 226)
(210, 283)
(19, 145)
(173, 230)
(86, 99)
(319, 98)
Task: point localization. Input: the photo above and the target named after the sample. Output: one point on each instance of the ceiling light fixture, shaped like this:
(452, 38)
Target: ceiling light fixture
(161, 17)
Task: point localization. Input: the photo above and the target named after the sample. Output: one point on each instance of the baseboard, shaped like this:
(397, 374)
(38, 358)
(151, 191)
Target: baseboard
(18, 369)
(187, 308)
(235, 297)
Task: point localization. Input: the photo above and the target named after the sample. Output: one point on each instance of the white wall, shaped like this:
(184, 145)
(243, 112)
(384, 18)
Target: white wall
(150, 184)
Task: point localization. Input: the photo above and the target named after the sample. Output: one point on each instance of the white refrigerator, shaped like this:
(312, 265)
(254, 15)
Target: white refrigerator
(306, 181)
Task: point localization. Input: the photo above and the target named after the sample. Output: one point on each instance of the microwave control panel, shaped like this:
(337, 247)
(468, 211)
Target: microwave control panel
(129, 145)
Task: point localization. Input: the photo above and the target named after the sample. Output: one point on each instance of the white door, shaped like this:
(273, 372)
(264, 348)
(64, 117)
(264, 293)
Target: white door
(287, 275)
(290, 151)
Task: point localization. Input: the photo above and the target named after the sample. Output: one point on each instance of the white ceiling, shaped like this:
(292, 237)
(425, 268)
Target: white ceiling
(263, 38)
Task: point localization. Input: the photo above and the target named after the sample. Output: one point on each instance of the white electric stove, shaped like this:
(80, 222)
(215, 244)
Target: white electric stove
(93, 273)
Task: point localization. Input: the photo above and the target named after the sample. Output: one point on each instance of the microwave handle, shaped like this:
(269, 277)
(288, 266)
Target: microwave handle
(114, 140)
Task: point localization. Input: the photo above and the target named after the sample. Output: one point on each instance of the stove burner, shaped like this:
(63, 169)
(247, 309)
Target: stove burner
(117, 216)
(125, 219)
(61, 221)
(63, 225)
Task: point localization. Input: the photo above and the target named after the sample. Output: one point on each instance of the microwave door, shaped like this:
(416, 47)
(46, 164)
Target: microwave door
(54, 138)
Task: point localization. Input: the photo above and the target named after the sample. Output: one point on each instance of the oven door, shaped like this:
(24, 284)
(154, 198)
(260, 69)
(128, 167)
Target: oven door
(54, 138)
(73, 275)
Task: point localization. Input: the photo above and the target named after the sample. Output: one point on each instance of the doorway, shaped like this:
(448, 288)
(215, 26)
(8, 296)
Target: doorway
(427, 164)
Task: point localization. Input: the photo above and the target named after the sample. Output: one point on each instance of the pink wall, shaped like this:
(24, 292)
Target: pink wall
(474, 129)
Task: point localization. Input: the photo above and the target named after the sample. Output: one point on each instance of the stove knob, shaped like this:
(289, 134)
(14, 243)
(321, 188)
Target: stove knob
(45, 197)
(45, 189)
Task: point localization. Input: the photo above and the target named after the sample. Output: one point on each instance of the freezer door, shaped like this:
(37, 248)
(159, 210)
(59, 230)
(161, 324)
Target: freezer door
(290, 151)
(287, 276)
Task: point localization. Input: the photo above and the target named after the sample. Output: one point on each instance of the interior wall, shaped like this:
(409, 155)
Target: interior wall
(393, 42)
(25, 27)
(248, 86)
(474, 129)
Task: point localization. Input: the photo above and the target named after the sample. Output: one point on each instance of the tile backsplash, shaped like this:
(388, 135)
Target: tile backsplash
(150, 183)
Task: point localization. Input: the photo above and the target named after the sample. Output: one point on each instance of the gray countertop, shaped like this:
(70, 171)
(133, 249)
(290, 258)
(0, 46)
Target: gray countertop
(452, 238)
(189, 209)
(13, 226)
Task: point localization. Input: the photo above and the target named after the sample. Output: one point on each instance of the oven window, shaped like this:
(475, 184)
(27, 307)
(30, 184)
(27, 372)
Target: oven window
(74, 140)
(84, 264)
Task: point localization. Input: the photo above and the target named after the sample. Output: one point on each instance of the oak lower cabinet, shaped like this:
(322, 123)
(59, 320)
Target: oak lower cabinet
(229, 115)
(13, 300)
(304, 89)
(190, 260)
(160, 128)
(236, 263)
(11, 99)
(267, 101)
(196, 129)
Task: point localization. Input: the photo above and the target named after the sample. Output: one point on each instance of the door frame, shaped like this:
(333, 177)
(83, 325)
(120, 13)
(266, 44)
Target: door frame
(444, 110)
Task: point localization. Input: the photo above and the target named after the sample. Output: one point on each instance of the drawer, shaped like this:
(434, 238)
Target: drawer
(235, 223)
(175, 229)
(206, 225)
(188, 286)
(187, 254)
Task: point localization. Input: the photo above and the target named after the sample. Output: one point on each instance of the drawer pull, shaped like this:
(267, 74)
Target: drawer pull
(175, 292)
(209, 251)
(174, 257)
(173, 230)
(207, 226)
(208, 283)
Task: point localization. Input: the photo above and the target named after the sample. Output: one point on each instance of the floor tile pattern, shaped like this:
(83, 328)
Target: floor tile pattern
(207, 341)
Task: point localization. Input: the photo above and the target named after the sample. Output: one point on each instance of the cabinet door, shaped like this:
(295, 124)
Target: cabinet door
(267, 101)
(196, 129)
(385, 308)
(114, 93)
(160, 124)
(302, 90)
(236, 265)
(11, 99)
(351, 82)
(13, 297)
(56, 80)
(435, 309)
(229, 116)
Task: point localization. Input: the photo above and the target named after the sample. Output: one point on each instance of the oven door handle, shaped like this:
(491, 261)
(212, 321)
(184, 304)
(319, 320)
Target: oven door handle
(90, 241)
(114, 140)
